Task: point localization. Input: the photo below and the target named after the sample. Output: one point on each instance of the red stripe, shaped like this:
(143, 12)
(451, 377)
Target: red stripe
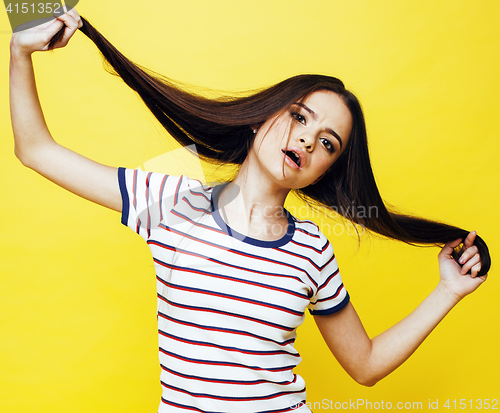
(327, 244)
(212, 310)
(331, 277)
(223, 363)
(332, 297)
(184, 407)
(305, 246)
(199, 193)
(134, 188)
(147, 204)
(307, 233)
(236, 350)
(328, 262)
(234, 279)
(221, 381)
(248, 399)
(177, 190)
(195, 223)
(193, 207)
(220, 330)
(306, 221)
(238, 252)
(168, 247)
(162, 188)
(294, 254)
(232, 297)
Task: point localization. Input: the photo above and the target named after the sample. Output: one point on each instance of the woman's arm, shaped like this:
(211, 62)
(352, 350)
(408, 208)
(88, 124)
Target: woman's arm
(34, 145)
(367, 361)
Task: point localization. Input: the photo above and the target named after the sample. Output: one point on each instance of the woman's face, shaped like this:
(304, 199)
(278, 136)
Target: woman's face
(319, 126)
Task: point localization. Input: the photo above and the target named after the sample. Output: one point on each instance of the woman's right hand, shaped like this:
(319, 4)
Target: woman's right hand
(38, 38)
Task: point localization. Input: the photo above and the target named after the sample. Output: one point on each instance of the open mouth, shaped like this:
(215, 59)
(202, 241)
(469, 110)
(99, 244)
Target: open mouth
(293, 156)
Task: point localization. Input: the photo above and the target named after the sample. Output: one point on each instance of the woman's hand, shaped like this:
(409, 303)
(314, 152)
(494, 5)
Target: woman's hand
(367, 361)
(38, 38)
(455, 278)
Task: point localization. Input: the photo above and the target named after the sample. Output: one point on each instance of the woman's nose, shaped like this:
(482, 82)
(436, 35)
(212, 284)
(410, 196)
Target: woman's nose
(307, 142)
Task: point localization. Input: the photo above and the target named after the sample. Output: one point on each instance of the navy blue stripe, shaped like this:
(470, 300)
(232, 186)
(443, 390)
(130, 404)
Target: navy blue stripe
(198, 224)
(258, 257)
(272, 274)
(124, 194)
(225, 330)
(134, 188)
(227, 277)
(162, 188)
(234, 349)
(213, 310)
(334, 295)
(325, 246)
(231, 398)
(339, 288)
(226, 381)
(186, 407)
(176, 197)
(307, 246)
(300, 256)
(330, 277)
(332, 310)
(224, 295)
(148, 178)
(307, 232)
(199, 193)
(207, 211)
(286, 409)
(225, 363)
(307, 222)
(328, 262)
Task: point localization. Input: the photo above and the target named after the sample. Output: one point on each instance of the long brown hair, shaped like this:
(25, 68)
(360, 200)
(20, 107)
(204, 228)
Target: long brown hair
(221, 130)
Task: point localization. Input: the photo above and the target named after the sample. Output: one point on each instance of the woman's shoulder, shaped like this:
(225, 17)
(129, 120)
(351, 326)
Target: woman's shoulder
(151, 178)
(306, 227)
(309, 234)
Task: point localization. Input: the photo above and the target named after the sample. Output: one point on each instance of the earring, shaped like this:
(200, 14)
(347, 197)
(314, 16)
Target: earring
(255, 130)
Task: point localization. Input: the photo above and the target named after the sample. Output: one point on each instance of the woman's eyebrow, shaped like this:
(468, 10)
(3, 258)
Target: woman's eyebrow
(315, 116)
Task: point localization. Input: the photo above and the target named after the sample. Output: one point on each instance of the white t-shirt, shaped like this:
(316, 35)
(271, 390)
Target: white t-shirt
(228, 305)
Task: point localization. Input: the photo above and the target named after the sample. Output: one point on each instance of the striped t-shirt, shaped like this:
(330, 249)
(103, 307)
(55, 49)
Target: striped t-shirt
(228, 305)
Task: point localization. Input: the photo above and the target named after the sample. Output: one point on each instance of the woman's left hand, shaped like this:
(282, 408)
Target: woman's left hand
(455, 278)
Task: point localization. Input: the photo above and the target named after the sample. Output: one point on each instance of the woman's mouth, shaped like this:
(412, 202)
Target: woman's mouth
(292, 157)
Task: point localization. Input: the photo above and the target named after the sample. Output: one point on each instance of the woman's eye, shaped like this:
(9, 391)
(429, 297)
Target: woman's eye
(328, 145)
(299, 118)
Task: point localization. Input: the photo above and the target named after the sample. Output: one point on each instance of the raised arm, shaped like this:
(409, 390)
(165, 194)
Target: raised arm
(369, 360)
(34, 145)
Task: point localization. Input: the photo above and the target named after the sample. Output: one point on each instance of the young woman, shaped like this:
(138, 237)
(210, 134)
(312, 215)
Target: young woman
(235, 271)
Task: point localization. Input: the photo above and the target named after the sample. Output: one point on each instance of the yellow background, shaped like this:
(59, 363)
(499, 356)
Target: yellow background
(77, 289)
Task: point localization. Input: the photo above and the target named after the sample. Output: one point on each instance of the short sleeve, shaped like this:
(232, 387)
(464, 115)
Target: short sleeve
(147, 197)
(331, 295)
